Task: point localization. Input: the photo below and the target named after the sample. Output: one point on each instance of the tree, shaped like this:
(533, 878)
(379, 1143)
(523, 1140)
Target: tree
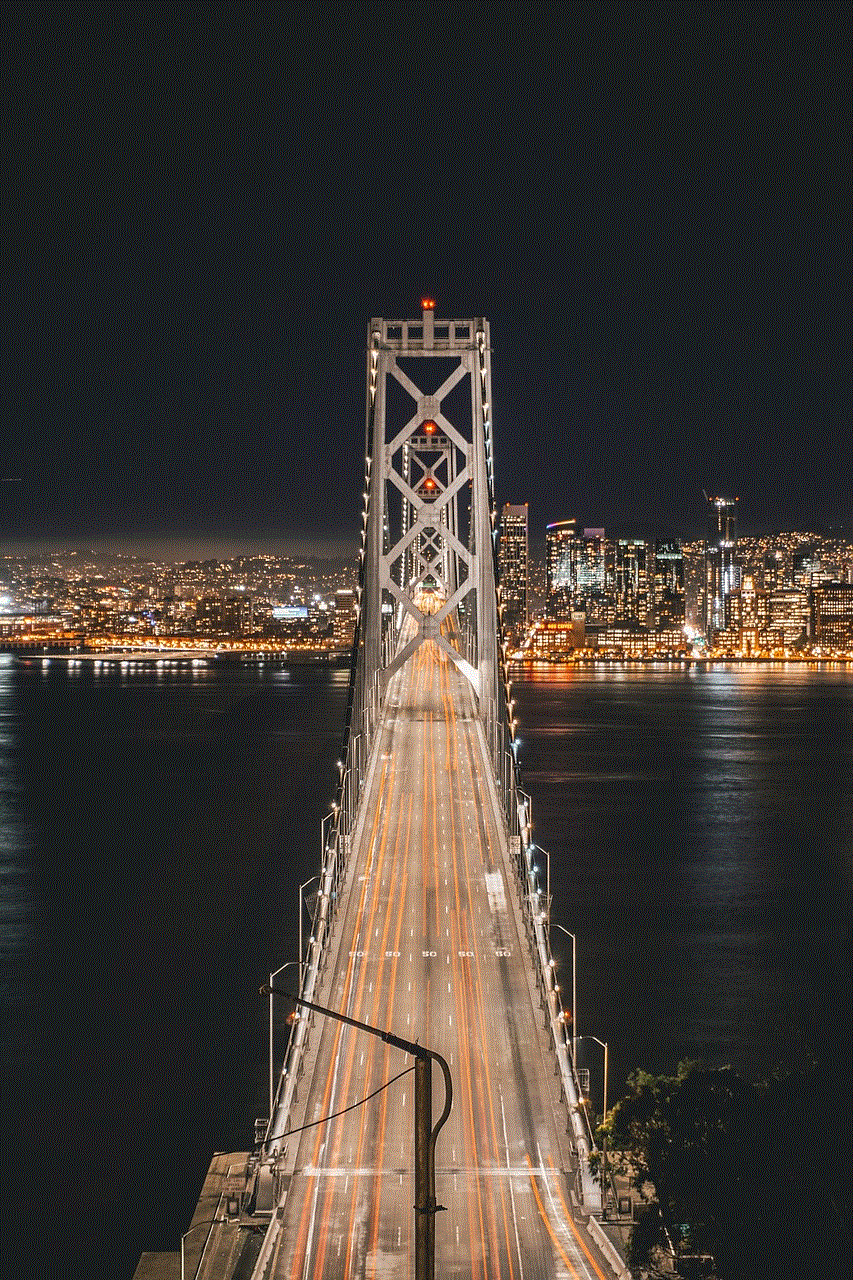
(733, 1170)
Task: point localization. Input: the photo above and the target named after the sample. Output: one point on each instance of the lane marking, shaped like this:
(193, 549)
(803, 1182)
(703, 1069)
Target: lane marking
(512, 1195)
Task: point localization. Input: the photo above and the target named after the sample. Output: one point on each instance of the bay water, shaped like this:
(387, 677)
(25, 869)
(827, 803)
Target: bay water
(156, 821)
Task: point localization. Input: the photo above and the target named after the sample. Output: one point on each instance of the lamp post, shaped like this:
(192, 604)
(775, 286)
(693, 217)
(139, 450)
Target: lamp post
(208, 1222)
(272, 1067)
(425, 1133)
(547, 882)
(574, 991)
(302, 887)
(604, 1140)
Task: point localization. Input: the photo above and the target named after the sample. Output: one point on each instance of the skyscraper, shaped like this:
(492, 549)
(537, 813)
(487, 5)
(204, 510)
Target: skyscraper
(631, 581)
(669, 583)
(560, 552)
(590, 575)
(721, 571)
(514, 567)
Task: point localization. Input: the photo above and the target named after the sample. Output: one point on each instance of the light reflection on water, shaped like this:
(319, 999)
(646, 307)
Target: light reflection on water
(699, 825)
(155, 820)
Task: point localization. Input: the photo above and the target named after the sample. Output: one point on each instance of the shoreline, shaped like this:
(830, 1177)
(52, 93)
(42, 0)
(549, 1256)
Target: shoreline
(808, 660)
(163, 657)
(337, 659)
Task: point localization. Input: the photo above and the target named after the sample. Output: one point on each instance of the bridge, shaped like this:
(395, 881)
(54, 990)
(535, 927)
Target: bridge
(430, 920)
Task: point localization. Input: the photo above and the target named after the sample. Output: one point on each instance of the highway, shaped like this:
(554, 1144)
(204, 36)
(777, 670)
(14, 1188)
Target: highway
(428, 946)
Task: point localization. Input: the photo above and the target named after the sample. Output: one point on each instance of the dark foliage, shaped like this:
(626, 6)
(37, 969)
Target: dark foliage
(741, 1171)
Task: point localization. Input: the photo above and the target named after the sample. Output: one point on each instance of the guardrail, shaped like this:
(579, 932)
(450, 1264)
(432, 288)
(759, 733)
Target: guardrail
(535, 916)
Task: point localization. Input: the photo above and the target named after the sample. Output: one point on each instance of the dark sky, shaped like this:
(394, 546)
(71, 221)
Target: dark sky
(651, 206)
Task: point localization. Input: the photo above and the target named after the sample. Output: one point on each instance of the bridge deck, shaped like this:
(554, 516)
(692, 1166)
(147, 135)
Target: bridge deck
(428, 946)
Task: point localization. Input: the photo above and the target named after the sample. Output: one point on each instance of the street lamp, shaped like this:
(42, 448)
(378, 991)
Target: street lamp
(574, 990)
(604, 1122)
(425, 1132)
(301, 908)
(547, 880)
(209, 1222)
(272, 1068)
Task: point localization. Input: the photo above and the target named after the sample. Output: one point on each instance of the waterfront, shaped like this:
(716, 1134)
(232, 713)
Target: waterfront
(156, 823)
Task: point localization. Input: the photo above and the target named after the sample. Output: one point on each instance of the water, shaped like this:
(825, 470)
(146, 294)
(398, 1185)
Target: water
(699, 825)
(155, 825)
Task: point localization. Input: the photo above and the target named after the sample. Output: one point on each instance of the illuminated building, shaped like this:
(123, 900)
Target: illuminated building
(514, 567)
(806, 567)
(748, 617)
(774, 570)
(576, 571)
(832, 615)
(721, 572)
(787, 617)
(590, 575)
(343, 619)
(626, 639)
(237, 615)
(629, 582)
(669, 583)
(551, 641)
(232, 616)
(559, 551)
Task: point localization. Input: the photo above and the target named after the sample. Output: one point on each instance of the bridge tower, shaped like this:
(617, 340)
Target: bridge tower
(428, 559)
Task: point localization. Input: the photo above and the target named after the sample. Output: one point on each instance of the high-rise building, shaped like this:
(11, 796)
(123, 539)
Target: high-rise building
(787, 616)
(721, 571)
(344, 617)
(669, 583)
(590, 575)
(774, 571)
(832, 615)
(749, 616)
(514, 567)
(631, 601)
(560, 553)
(806, 567)
(231, 616)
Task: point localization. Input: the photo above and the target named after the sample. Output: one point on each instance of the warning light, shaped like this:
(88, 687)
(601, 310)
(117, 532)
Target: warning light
(429, 483)
(430, 427)
(428, 304)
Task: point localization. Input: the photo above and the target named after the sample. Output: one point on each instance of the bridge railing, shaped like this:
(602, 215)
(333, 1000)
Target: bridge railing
(499, 731)
(336, 829)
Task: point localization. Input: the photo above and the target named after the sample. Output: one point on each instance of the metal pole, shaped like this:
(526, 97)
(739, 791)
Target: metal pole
(301, 909)
(272, 1066)
(569, 934)
(424, 1190)
(209, 1222)
(603, 1044)
(604, 1140)
(425, 1139)
(574, 1001)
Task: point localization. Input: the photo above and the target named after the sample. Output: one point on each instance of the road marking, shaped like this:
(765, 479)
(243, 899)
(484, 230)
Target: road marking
(310, 1242)
(512, 1195)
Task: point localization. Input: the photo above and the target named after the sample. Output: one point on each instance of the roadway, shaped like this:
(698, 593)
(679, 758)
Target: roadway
(428, 946)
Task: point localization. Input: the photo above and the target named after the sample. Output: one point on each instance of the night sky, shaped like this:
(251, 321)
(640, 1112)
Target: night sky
(651, 206)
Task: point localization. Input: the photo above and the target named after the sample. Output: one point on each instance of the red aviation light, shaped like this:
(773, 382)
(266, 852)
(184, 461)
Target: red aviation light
(428, 304)
(430, 427)
(429, 483)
